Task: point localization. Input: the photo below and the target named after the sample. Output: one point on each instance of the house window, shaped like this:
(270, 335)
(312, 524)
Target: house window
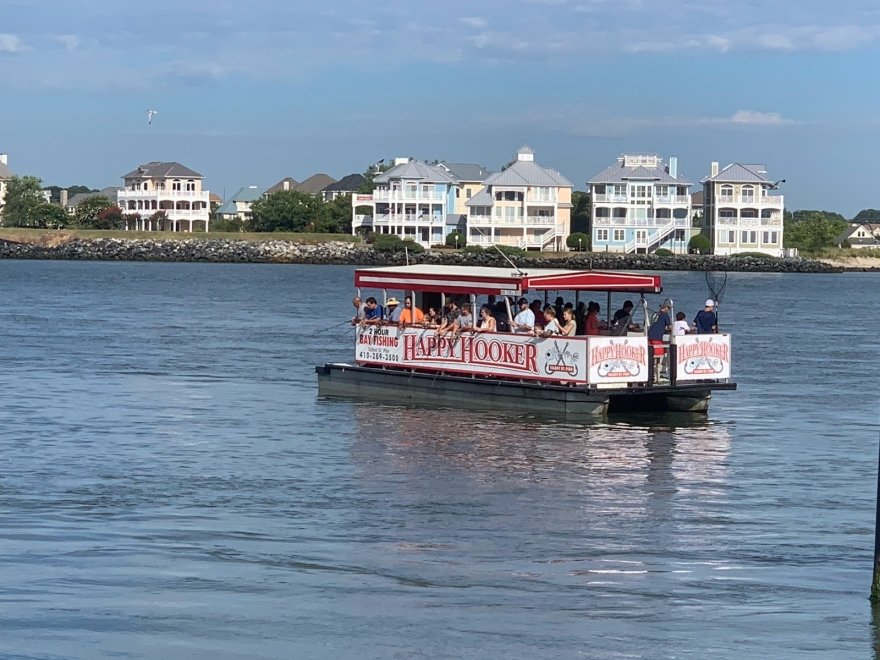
(770, 237)
(468, 192)
(744, 237)
(146, 185)
(619, 234)
(191, 185)
(748, 193)
(726, 191)
(601, 234)
(175, 185)
(731, 237)
(620, 189)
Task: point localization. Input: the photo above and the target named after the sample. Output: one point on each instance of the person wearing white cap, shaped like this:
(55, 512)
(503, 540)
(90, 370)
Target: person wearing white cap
(706, 320)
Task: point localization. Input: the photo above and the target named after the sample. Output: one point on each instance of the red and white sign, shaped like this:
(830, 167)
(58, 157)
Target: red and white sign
(618, 360)
(516, 356)
(701, 357)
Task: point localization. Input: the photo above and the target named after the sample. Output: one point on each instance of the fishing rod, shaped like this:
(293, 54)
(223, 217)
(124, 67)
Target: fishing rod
(716, 287)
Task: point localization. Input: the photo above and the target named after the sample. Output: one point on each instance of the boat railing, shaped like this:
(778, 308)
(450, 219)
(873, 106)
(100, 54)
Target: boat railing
(594, 361)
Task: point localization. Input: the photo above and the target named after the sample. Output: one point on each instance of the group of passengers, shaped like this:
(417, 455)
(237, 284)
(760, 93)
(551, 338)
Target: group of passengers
(560, 319)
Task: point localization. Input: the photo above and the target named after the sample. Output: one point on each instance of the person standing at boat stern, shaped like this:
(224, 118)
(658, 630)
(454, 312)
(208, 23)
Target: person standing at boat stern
(524, 321)
(660, 325)
(706, 320)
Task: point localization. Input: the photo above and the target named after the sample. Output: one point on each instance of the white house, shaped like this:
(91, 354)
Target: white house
(5, 173)
(164, 196)
(641, 204)
(240, 204)
(412, 200)
(524, 205)
(740, 212)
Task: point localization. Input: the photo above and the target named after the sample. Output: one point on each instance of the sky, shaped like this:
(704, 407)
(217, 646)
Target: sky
(248, 93)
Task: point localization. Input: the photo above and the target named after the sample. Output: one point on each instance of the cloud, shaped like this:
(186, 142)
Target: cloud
(756, 118)
(474, 22)
(69, 41)
(11, 44)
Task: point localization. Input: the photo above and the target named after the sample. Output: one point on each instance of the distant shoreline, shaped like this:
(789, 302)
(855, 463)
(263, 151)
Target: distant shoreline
(268, 250)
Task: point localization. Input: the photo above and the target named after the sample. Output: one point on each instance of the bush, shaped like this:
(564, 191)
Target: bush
(752, 255)
(663, 252)
(456, 239)
(387, 243)
(578, 241)
(370, 237)
(700, 244)
(231, 225)
(472, 249)
(510, 250)
(412, 246)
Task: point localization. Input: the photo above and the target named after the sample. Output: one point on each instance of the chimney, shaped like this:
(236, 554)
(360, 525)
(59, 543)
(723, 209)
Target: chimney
(714, 168)
(400, 160)
(4, 159)
(673, 167)
(286, 184)
(63, 197)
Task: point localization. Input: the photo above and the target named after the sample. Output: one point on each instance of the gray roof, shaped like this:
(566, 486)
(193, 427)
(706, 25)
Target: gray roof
(315, 183)
(247, 194)
(617, 173)
(736, 173)
(228, 208)
(110, 193)
(467, 171)
(348, 183)
(417, 169)
(160, 170)
(527, 173)
(482, 198)
(291, 185)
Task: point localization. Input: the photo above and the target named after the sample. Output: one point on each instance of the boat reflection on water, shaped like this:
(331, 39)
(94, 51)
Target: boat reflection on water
(660, 450)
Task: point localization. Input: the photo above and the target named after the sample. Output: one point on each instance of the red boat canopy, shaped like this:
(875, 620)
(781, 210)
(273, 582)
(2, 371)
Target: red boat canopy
(501, 281)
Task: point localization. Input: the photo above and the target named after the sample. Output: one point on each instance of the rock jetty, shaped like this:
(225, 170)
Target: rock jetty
(340, 252)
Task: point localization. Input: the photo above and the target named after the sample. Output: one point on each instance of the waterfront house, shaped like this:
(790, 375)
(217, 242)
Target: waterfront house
(164, 196)
(347, 185)
(5, 173)
(240, 204)
(412, 200)
(524, 205)
(860, 236)
(110, 192)
(741, 213)
(640, 204)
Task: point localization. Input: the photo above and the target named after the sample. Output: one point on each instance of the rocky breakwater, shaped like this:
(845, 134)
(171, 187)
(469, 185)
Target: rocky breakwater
(341, 252)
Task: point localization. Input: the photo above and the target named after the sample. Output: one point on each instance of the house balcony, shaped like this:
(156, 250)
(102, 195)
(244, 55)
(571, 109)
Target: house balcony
(605, 199)
(387, 219)
(773, 201)
(672, 199)
(548, 220)
(408, 196)
(192, 195)
(679, 223)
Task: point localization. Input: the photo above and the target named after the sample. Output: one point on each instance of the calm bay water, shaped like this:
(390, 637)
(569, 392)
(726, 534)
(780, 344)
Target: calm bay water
(171, 487)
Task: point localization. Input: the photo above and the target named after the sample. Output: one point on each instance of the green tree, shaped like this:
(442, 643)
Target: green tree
(88, 212)
(337, 216)
(54, 216)
(581, 209)
(578, 241)
(455, 239)
(809, 214)
(700, 243)
(867, 215)
(813, 233)
(288, 210)
(25, 204)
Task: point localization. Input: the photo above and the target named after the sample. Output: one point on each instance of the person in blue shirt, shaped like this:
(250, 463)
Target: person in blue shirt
(706, 320)
(392, 310)
(373, 312)
(659, 327)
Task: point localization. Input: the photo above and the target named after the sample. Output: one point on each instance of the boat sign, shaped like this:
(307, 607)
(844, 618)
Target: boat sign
(618, 359)
(701, 357)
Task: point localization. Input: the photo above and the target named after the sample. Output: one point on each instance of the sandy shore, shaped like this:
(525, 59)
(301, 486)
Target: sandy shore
(857, 263)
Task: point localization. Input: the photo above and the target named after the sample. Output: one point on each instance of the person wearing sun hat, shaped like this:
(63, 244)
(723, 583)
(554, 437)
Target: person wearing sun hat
(706, 320)
(392, 310)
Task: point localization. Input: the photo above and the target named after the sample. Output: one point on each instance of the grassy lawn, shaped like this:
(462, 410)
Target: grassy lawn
(55, 236)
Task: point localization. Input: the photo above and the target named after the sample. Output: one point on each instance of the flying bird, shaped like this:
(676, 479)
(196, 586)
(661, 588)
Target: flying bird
(150, 114)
